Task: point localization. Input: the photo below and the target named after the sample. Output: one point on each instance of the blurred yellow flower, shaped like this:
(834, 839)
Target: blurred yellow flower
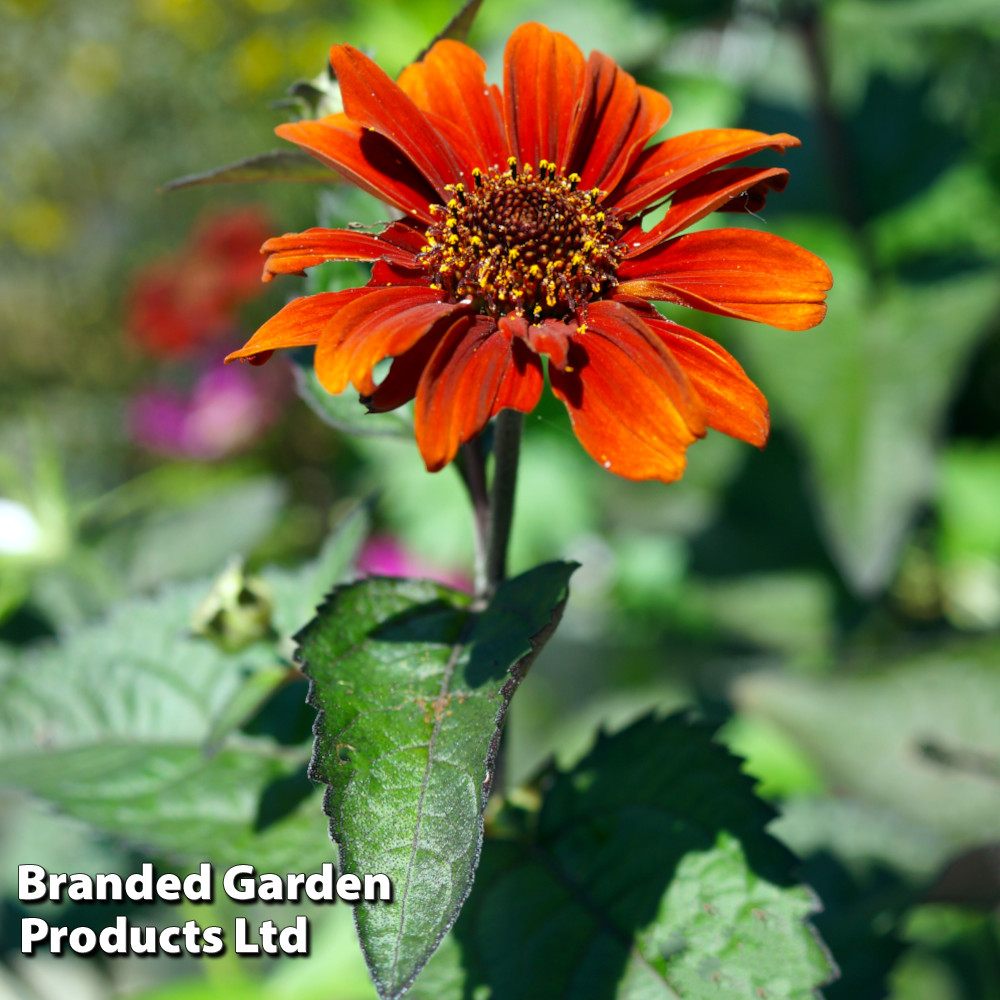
(258, 62)
(93, 67)
(38, 225)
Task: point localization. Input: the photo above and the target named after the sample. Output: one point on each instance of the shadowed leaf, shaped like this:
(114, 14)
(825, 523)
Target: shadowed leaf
(647, 873)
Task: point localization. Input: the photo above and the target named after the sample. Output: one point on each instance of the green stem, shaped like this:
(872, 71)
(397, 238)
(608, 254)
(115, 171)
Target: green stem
(506, 450)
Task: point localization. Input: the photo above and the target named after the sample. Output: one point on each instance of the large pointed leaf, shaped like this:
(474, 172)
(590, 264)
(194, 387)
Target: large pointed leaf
(646, 875)
(866, 393)
(412, 685)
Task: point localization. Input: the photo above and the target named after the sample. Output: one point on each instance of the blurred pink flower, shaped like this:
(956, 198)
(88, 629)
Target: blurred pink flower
(225, 412)
(383, 555)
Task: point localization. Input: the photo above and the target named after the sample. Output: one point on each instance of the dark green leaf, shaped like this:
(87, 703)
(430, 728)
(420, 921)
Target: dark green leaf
(276, 165)
(647, 873)
(412, 685)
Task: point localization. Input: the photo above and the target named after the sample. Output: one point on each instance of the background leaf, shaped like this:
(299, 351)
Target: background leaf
(412, 686)
(866, 396)
(918, 737)
(135, 711)
(345, 412)
(118, 727)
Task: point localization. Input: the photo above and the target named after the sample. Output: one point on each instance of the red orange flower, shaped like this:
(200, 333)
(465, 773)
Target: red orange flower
(522, 238)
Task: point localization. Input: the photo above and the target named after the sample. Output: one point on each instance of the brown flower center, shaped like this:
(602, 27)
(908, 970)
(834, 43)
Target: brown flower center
(523, 241)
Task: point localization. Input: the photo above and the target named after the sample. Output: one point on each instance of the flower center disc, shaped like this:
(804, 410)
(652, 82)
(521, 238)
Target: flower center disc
(523, 241)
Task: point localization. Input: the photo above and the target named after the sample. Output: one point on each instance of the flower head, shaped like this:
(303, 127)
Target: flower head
(521, 238)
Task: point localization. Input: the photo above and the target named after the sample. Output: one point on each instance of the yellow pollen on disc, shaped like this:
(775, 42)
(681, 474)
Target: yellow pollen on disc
(524, 239)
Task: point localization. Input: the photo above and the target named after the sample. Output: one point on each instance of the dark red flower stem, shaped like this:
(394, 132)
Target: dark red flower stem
(473, 470)
(506, 451)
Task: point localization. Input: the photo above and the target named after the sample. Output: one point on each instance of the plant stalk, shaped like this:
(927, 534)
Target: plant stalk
(506, 451)
(473, 471)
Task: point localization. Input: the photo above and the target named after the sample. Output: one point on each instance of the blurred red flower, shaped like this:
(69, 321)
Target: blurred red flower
(522, 238)
(178, 304)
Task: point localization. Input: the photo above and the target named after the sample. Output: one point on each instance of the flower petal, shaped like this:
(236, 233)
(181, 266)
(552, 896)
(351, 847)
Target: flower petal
(366, 159)
(552, 338)
(294, 252)
(615, 119)
(669, 164)
(629, 401)
(450, 83)
(385, 323)
(299, 324)
(400, 384)
(373, 100)
(476, 371)
(733, 404)
(733, 189)
(544, 74)
(733, 272)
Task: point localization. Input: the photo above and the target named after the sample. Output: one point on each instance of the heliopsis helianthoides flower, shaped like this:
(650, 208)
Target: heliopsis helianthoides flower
(521, 238)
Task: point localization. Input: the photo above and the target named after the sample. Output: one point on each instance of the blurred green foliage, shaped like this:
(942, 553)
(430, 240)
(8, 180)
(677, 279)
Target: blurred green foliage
(833, 600)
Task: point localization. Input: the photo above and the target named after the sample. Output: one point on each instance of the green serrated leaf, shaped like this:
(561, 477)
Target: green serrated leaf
(345, 412)
(120, 726)
(412, 685)
(276, 165)
(646, 874)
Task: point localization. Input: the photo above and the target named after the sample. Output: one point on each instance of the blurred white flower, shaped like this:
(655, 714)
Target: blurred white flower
(20, 533)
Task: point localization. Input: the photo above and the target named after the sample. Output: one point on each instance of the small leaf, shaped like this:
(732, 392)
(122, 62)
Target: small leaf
(345, 412)
(412, 685)
(457, 29)
(646, 874)
(276, 165)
